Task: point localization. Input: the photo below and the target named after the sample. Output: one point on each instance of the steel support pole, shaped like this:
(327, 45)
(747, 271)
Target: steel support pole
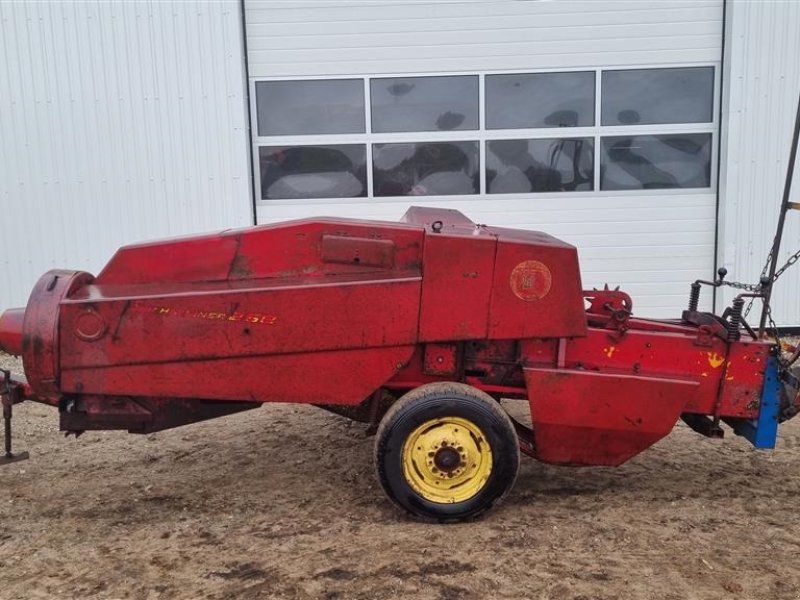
(785, 206)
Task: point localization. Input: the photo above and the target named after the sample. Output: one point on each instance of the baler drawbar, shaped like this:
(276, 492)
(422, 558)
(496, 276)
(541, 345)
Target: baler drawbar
(418, 328)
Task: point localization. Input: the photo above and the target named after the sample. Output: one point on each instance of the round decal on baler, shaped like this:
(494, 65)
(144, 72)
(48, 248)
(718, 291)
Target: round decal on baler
(90, 326)
(531, 280)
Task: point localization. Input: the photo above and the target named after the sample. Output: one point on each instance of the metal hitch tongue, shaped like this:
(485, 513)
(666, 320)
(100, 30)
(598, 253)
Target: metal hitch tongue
(9, 393)
(11, 325)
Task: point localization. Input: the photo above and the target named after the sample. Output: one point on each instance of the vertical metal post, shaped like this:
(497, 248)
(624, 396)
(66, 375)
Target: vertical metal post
(6, 400)
(8, 395)
(785, 206)
(7, 427)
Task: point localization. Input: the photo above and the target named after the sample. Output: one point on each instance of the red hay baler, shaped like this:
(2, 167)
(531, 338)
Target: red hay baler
(418, 328)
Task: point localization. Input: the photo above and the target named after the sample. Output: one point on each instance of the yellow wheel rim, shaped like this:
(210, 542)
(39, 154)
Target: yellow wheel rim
(447, 460)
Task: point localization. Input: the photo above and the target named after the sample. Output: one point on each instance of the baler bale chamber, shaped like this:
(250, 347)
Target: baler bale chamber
(418, 328)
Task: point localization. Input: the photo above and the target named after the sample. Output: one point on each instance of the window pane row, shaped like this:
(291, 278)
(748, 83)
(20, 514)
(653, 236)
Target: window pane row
(513, 101)
(512, 166)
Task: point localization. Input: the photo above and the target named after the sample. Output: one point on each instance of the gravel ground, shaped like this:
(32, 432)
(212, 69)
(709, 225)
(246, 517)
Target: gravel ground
(9, 362)
(282, 503)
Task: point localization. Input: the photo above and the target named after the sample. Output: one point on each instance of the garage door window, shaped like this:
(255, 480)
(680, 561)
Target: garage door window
(296, 172)
(537, 100)
(426, 169)
(424, 104)
(657, 96)
(485, 134)
(656, 161)
(322, 106)
(548, 165)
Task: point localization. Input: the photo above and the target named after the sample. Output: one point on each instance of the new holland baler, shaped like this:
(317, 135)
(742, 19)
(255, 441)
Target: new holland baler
(418, 327)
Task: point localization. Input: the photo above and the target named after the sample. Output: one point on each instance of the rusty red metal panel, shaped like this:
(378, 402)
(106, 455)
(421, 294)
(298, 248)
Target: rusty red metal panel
(296, 249)
(40, 341)
(441, 360)
(743, 377)
(282, 250)
(653, 354)
(365, 252)
(199, 258)
(458, 271)
(337, 377)
(99, 327)
(492, 366)
(536, 290)
(673, 354)
(587, 418)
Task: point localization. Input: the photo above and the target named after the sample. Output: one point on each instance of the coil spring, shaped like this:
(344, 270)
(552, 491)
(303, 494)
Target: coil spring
(694, 297)
(735, 319)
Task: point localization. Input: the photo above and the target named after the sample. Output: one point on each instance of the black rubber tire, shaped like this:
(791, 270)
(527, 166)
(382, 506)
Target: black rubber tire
(444, 399)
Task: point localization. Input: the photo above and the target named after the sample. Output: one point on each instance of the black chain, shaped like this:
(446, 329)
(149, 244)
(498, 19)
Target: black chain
(773, 327)
(763, 275)
(792, 259)
(758, 287)
(741, 286)
(785, 364)
(774, 331)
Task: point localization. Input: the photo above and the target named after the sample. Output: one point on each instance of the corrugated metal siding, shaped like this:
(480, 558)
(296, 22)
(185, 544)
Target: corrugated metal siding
(762, 82)
(653, 244)
(118, 122)
(401, 36)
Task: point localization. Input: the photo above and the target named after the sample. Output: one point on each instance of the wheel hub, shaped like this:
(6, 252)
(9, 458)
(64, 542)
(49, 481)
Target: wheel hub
(447, 460)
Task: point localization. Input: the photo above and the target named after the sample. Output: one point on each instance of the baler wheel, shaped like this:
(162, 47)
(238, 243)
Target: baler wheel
(446, 452)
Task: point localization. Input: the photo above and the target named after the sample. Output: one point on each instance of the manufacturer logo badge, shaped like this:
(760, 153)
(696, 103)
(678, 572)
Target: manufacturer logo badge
(531, 280)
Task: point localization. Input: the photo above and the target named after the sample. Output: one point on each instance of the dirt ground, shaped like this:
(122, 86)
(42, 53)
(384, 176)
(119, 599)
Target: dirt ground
(282, 502)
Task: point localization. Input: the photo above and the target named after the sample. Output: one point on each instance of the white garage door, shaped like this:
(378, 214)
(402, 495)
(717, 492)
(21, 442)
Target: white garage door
(596, 122)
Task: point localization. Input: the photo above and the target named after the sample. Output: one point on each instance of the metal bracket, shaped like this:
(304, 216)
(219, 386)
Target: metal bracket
(762, 431)
(615, 305)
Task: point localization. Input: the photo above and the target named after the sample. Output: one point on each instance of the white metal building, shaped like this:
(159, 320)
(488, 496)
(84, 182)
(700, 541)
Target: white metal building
(653, 135)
